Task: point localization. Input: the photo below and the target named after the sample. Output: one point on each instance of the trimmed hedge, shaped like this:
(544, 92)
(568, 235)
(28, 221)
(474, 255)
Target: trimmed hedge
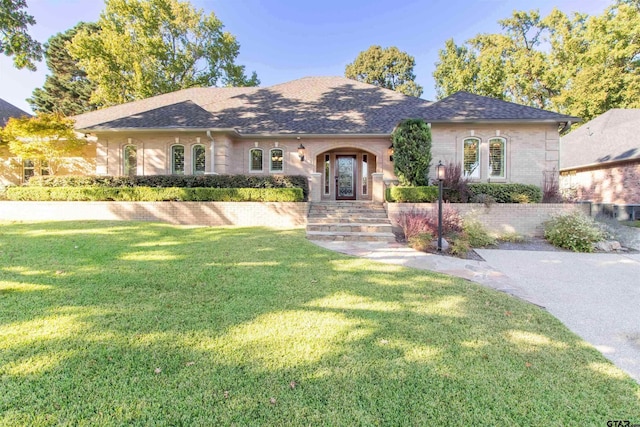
(148, 194)
(176, 181)
(501, 193)
(412, 194)
(508, 193)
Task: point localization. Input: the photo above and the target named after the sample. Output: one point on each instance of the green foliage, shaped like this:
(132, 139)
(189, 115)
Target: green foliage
(148, 194)
(477, 234)
(421, 242)
(146, 48)
(512, 237)
(66, 88)
(459, 243)
(14, 39)
(427, 194)
(507, 193)
(180, 181)
(388, 68)
(47, 138)
(575, 231)
(412, 152)
(577, 65)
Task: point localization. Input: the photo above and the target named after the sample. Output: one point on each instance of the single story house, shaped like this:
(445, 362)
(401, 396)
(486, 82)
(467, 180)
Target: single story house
(334, 130)
(600, 161)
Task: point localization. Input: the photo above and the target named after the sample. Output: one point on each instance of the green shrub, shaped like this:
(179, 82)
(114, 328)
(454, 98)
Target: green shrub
(421, 242)
(477, 234)
(148, 194)
(575, 231)
(508, 193)
(176, 181)
(512, 237)
(427, 194)
(459, 244)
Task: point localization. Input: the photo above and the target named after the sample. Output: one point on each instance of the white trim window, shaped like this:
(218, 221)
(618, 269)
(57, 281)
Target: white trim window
(471, 156)
(255, 160)
(497, 157)
(177, 159)
(29, 168)
(130, 160)
(276, 160)
(198, 159)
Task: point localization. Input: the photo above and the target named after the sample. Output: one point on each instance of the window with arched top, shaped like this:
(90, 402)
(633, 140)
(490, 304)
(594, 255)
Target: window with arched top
(255, 160)
(198, 159)
(471, 158)
(497, 157)
(130, 160)
(276, 163)
(177, 160)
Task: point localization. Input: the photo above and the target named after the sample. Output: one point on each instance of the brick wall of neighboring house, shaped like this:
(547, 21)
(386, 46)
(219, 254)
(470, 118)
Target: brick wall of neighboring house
(278, 215)
(498, 218)
(531, 148)
(619, 184)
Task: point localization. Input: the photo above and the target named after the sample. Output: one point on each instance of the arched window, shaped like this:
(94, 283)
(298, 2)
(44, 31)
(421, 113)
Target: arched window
(471, 162)
(255, 160)
(497, 158)
(199, 159)
(130, 160)
(177, 160)
(275, 163)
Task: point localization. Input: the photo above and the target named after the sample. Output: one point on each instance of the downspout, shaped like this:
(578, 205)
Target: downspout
(566, 126)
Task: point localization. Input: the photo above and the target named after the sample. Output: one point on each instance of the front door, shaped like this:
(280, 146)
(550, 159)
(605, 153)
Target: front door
(346, 178)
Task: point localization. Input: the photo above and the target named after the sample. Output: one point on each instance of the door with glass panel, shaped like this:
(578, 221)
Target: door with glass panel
(346, 177)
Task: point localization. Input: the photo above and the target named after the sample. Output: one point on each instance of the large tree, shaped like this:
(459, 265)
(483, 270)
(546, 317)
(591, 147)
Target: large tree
(412, 152)
(66, 90)
(149, 47)
(578, 65)
(46, 139)
(14, 39)
(389, 68)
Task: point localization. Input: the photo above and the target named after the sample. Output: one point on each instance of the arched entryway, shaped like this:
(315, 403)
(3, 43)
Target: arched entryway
(346, 174)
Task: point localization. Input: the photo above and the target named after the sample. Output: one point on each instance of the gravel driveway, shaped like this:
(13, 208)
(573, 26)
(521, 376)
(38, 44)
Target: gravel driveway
(597, 296)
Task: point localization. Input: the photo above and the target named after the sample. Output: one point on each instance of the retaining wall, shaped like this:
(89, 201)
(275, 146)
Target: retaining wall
(245, 214)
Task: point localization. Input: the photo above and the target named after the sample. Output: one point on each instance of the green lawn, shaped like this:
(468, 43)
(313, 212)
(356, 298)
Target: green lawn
(110, 323)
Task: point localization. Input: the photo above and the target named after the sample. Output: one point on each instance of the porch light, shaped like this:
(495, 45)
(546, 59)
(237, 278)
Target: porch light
(390, 151)
(301, 152)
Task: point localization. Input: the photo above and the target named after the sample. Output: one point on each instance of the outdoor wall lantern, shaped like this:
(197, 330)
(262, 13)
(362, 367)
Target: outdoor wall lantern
(390, 151)
(441, 172)
(301, 152)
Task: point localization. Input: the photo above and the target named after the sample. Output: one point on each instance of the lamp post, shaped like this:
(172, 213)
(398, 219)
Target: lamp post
(441, 173)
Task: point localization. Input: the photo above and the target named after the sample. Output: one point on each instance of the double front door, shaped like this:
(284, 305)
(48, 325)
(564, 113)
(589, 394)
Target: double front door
(346, 177)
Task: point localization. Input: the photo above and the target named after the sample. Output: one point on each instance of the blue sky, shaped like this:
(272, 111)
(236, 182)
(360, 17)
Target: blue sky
(284, 40)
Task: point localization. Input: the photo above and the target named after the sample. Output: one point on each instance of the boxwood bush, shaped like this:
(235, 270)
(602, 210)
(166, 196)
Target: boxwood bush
(176, 181)
(508, 193)
(412, 194)
(150, 194)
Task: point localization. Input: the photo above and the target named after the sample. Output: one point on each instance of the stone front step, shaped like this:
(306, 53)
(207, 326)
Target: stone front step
(345, 236)
(351, 227)
(349, 221)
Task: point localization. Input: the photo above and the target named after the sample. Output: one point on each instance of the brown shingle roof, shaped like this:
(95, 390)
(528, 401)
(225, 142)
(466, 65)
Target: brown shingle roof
(311, 105)
(9, 110)
(610, 137)
(466, 107)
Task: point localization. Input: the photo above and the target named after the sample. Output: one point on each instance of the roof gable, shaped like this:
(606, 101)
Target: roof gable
(466, 107)
(8, 111)
(610, 137)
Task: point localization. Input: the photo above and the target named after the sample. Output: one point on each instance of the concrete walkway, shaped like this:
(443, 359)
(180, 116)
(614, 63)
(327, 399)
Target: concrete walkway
(597, 296)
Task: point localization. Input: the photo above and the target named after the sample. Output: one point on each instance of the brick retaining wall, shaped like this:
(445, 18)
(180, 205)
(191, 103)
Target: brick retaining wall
(246, 214)
(498, 218)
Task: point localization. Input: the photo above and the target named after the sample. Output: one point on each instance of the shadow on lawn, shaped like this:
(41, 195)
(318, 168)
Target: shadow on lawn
(161, 324)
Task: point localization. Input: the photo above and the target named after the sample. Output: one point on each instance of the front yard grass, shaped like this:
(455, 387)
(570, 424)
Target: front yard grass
(112, 323)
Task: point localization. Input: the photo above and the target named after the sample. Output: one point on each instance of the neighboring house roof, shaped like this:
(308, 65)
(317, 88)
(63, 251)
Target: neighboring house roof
(8, 111)
(311, 105)
(468, 107)
(610, 137)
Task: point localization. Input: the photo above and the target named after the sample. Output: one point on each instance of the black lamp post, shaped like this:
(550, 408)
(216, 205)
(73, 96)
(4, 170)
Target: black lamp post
(441, 173)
